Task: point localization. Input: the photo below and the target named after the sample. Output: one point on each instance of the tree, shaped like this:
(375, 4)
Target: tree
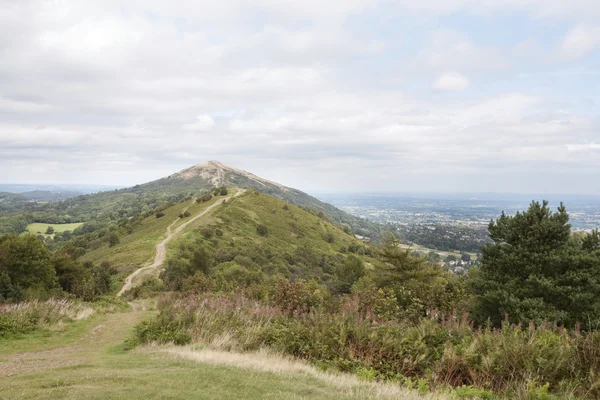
(349, 272)
(417, 284)
(50, 230)
(465, 257)
(113, 239)
(71, 274)
(535, 270)
(26, 266)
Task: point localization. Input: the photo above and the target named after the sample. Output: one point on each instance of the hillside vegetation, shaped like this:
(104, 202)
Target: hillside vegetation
(257, 236)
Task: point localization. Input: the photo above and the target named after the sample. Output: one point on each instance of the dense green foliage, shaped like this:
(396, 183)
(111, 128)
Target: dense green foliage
(29, 270)
(537, 270)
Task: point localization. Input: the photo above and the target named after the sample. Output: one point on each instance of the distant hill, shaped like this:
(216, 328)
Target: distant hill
(215, 174)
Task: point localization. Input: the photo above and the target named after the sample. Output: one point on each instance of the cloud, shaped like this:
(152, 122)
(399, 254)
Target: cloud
(579, 41)
(451, 49)
(302, 92)
(583, 147)
(203, 123)
(451, 81)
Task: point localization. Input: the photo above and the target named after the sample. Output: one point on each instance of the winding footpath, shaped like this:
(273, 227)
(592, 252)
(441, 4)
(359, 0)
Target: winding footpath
(161, 248)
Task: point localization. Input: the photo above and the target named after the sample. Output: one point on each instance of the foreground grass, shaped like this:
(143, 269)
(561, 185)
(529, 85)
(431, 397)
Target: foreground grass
(115, 375)
(46, 338)
(95, 363)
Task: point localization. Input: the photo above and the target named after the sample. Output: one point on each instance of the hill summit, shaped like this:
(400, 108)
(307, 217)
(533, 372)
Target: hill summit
(218, 174)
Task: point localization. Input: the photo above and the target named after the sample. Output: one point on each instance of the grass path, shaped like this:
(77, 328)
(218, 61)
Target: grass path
(107, 330)
(161, 248)
(97, 365)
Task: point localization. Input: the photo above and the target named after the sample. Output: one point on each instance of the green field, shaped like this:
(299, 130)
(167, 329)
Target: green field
(40, 228)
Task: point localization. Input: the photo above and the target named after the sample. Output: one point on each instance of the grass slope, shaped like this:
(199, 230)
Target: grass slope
(298, 242)
(138, 248)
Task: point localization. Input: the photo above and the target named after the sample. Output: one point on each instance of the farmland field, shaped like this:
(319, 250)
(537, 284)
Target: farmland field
(40, 228)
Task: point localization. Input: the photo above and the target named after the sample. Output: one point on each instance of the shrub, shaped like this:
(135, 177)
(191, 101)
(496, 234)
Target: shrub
(262, 230)
(113, 239)
(329, 237)
(159, 214)
(208, 232)
(204, 198)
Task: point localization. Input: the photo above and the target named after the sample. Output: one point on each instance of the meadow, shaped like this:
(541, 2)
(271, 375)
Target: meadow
(40, 228)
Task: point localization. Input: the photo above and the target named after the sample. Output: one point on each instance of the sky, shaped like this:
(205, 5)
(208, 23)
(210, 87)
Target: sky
(325, 96)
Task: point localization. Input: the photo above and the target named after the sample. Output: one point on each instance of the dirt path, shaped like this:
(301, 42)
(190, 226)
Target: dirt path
(161, 248)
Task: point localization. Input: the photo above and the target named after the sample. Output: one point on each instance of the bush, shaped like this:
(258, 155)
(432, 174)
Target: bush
(208, 232)
(204, 198)
(262, 230)
(159, 214)
(329, 237)
(113, 239)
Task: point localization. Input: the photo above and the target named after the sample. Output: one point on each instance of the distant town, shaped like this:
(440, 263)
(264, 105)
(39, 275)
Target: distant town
(450, 229)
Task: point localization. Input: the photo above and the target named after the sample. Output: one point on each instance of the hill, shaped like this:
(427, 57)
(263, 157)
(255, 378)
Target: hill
(292, 242)
(100, 209)
(216, 174)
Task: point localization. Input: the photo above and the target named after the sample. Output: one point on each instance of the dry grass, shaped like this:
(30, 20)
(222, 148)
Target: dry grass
(48, 312)
(349, 386)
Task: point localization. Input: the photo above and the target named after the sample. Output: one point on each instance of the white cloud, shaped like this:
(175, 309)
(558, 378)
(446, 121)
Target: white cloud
(203, 123)
(450, 49)
(299, 91)
(579, 41)
(583, 147)
(451, 81)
